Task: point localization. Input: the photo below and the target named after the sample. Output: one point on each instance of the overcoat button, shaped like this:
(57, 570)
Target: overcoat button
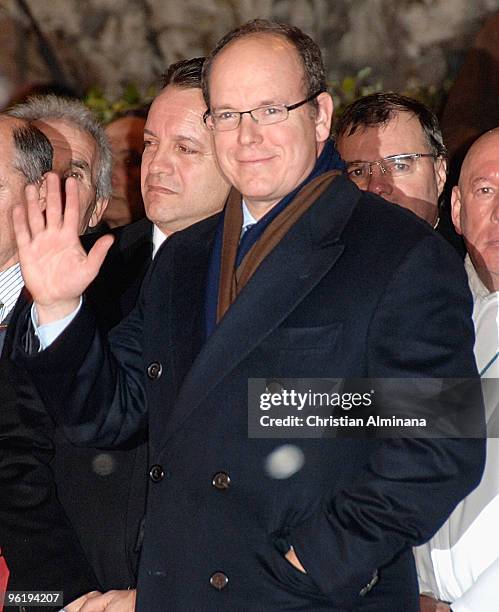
(154, 370)
(219, 581)
(221, 481)
(156, 473)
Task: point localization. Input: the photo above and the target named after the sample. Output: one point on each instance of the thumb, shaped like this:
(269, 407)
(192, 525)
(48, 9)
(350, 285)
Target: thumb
(98, 253)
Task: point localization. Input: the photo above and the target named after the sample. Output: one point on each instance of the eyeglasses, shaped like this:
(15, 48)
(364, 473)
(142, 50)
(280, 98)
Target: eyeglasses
(394, 165)
(224, 121)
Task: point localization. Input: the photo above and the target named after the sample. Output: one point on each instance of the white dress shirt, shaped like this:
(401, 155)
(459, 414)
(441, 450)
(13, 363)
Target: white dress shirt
(460, 563)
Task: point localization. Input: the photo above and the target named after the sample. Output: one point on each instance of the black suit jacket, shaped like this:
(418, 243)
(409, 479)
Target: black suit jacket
(356, 288)
(36, 538)
(103, 491)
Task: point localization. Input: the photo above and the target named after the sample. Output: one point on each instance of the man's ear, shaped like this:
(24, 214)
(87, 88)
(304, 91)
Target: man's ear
(323, 116)
(456, 209)
(98, 211)
(441, 173)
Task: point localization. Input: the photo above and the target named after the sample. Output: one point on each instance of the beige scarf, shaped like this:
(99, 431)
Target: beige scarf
(232, 279)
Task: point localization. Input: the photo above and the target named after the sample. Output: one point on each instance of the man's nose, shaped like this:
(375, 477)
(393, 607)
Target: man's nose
(162, 161)
(249, 132)
(380, 182)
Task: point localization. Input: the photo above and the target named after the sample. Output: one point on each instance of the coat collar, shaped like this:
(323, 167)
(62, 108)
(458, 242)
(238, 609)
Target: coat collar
(288, 274)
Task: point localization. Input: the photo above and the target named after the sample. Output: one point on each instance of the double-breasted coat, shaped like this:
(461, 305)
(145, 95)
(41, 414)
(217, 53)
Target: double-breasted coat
(356, 288)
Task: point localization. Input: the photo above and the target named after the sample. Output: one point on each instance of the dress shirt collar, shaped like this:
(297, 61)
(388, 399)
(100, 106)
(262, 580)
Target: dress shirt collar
(158, 237)
(248, 218)
(478, 289)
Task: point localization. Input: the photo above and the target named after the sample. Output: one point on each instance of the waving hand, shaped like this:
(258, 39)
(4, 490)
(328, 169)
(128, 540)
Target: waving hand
(55, 267)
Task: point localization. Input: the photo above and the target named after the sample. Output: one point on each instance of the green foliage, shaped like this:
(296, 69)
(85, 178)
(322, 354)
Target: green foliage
(353, 87)
(434, 97)
(344, 91)
(107, 109)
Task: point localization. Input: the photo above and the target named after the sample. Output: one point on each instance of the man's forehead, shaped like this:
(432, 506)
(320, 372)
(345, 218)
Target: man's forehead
(264, 63)
(401, 133)
(72, 146)
(482, 160)
(6, 128)
(404, 125)
(253, 46)
(9, 123)
(486, 170)
(178, 113)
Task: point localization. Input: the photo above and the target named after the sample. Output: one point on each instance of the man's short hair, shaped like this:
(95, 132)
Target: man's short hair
(308, 51)
(33, 153)
(39, 108)
(379, 108)
(185, 73)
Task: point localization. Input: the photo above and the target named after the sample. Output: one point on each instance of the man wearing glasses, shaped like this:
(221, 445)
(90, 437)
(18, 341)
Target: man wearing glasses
(394, 148)
(302, 276)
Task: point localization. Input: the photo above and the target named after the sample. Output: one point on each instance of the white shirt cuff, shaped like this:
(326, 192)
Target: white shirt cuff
(49, 332)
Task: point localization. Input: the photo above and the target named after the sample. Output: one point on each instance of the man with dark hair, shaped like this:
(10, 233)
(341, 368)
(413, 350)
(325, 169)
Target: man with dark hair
(393, 147)
(184, 73)
(181, 185)
(180, 182)
(294, 279)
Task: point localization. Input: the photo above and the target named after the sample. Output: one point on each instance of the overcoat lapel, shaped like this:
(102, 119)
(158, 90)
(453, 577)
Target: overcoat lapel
(286, 276)
(136, 255)
(183, 303)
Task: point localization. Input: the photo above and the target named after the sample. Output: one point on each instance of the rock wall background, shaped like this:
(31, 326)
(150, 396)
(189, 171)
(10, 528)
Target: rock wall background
(110, 43)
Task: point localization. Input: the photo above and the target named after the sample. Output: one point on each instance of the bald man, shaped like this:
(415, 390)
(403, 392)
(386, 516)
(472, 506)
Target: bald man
(38, 544)
(459, 566)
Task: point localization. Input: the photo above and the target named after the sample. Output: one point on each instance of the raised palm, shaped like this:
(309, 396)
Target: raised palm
(55, 267)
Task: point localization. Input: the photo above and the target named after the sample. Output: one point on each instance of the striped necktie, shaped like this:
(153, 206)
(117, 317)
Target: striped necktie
(11, 284)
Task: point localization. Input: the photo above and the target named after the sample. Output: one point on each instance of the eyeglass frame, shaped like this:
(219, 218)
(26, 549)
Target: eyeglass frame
(289, 107)
(379, 162)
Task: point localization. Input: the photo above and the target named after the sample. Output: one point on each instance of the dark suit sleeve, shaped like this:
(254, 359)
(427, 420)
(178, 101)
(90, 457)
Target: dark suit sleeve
(94, 392)
(421, 328)
(36, 539)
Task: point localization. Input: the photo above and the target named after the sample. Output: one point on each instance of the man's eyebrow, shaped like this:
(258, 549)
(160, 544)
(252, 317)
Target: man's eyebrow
(268, 102)
(480, 179)
(81, 164)
(180, 137)
(195, 141)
